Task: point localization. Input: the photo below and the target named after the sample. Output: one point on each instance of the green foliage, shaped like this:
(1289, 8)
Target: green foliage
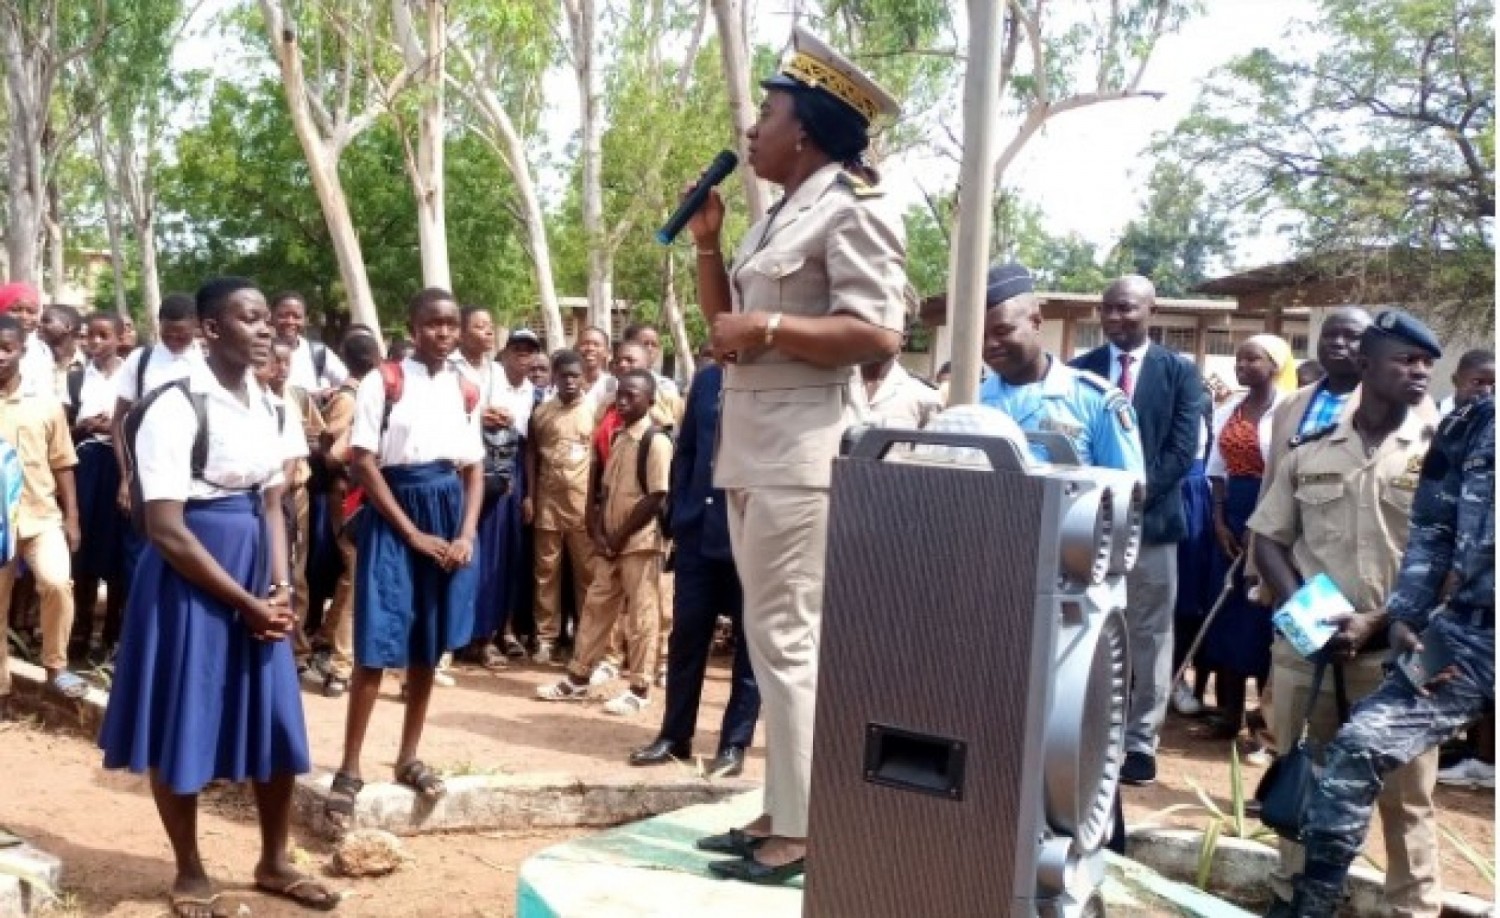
(239, 199)
(1384, 142)
(1181, 231)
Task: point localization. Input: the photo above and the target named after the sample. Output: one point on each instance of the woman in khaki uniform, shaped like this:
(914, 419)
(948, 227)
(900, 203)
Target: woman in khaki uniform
(815, 291)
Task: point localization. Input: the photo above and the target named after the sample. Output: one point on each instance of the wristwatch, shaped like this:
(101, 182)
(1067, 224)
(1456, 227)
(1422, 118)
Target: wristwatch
(772, 324)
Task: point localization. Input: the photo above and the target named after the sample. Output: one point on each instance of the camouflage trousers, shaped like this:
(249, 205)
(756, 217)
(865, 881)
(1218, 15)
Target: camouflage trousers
(1386, 730)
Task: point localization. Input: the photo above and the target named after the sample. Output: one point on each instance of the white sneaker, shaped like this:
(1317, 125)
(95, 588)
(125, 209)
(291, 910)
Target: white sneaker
(1184, 702)
(1468, 773)
(603, 674)
(627, 704)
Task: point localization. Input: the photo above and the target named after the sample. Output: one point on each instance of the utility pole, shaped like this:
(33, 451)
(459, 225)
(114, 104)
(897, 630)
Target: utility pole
(971, 244)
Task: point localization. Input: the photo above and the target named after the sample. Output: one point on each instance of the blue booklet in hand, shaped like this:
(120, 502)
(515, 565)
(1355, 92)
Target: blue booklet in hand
(1302, 620)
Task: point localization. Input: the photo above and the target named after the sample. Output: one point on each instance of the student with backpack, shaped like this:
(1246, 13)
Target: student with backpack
(315, 368)
(102, 525)
(148, 368)
(415, 451)
(205, 686)
(628, 541)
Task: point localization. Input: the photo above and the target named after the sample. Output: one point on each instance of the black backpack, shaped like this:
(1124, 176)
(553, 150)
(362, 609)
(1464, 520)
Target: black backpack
(75, 393)
(642, 459)
(132, 426)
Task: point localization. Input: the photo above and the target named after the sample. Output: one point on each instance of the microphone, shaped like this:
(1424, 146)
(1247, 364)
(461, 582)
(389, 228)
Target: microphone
(718, 170)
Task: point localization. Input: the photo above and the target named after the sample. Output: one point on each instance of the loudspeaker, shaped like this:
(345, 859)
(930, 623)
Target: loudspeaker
(971, 698)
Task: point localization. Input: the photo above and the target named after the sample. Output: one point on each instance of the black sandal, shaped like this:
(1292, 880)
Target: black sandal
(342, 797)
(417, 776)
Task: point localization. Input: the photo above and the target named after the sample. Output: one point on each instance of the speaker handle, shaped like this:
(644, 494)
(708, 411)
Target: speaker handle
(1059, 447)
(875, 442)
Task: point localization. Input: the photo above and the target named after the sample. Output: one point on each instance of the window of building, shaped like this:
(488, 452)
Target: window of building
(1087, 336)
(1219, 342)
(1298, 341)
(1181, 340)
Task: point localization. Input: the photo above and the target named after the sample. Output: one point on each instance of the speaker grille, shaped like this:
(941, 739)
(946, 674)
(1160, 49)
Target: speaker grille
(928, 627)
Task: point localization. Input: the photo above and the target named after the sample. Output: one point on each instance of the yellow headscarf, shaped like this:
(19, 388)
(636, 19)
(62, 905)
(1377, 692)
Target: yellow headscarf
(1281, 358)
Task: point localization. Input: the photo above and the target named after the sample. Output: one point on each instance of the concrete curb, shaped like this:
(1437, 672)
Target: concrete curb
(1241, 870)
(31, 695)
(20, 899)
(510, 802)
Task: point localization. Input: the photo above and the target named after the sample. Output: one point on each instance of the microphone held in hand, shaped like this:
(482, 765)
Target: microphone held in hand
(718, 170)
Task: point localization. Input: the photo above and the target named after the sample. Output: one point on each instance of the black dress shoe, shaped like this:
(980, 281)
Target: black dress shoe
(749, 870)
(735, 841)
(729, 762)
(660, 752)
(1139, 769)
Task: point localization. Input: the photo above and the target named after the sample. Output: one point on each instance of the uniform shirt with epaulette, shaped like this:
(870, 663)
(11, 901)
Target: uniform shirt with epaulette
(1345, 512)
(1093, 415)
(1453, 521)
(834, 246)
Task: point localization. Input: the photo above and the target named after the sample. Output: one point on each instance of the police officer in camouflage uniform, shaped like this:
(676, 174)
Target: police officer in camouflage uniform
(1452, 534)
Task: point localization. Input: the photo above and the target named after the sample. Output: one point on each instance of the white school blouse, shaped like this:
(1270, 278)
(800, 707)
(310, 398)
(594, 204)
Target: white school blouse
(245, 448)
(163, 367)
(495, 390)
(428, 424)
(304, 372)
(97, 394)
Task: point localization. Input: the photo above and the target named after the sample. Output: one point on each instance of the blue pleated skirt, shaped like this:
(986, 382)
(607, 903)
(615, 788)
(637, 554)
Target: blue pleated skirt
(500, 555)
(196, 697)
(101, 554)
(1196, 588)
(408, 611)
(1239, 638)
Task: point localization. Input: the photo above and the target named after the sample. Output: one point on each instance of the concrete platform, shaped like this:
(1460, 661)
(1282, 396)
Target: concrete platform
(20, 898)
(650, 869)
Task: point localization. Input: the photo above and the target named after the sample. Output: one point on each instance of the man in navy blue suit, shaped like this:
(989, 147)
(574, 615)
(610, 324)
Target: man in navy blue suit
(1167, 391)
(707, 587)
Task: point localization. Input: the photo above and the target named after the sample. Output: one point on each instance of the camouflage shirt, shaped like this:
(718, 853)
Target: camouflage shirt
(1452, 521)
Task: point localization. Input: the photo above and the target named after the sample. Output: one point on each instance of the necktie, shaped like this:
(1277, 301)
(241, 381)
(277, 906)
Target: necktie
(1127, 384)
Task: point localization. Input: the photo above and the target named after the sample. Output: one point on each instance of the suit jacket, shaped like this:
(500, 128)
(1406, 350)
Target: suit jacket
(700, 512)
(1168, 398)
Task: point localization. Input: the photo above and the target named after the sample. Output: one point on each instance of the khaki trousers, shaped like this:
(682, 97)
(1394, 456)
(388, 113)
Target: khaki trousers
(550, 544)
(46, 553)
(780, 538)
(628, 588)
(618, 640)
(1407, 817)
(298, 550)
(338, 622)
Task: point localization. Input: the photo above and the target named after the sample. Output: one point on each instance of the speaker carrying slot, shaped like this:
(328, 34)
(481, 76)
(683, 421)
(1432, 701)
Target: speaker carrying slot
(922, 763)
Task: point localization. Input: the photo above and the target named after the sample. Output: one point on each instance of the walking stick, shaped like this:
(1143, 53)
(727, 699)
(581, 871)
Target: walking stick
(1208, 619)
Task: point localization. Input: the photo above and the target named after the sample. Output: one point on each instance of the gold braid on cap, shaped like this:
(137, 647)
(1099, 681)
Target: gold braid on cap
(817, 74)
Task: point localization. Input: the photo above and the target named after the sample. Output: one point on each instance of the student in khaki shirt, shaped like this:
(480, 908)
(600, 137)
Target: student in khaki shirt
(1340, 504)
(32, 421)
(558, 459)
(627, 541)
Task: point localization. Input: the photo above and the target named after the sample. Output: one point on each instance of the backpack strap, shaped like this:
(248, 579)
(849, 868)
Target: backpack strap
(394, 378)
(75, 394)
(140, 371)
(643, 456)
(319, 359)
(470, 392)
(199, 402)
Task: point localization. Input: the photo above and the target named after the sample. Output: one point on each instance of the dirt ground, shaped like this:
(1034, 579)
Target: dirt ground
(117, 862)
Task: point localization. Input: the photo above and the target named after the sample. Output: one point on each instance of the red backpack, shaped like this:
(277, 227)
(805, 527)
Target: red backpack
(394, 378)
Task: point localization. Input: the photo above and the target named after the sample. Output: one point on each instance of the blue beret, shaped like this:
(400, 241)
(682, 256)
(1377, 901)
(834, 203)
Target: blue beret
(1005, 281)
(1406, 328)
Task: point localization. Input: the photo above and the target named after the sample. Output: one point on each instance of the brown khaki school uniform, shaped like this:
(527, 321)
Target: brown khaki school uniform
(562, 436)
(33, 422)
(834, 247)
(1346, 515)
(628, 585)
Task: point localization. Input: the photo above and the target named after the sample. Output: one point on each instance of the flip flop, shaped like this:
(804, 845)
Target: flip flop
(326, 903)
(189, 906)
(9, 839)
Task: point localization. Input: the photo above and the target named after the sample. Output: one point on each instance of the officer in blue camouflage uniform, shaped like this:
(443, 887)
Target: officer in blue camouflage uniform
(1452, 535)
(1040, 392)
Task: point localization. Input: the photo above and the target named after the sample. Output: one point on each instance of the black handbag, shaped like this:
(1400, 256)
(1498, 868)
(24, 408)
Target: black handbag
(1287, 786)
(502, 449)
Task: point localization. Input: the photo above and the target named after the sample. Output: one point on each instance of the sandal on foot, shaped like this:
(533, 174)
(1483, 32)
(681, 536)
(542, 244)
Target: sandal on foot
(342, 797)
(491, 658)
(335, 687)
(184, 906)
(70, 685)
(306, 892)
(417, 776)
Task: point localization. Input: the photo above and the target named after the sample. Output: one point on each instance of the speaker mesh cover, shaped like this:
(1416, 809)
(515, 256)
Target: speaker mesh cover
(928, 626)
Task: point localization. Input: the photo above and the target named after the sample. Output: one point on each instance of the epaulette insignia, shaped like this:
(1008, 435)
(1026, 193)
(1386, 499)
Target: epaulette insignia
(1311, 436)
(860, 187)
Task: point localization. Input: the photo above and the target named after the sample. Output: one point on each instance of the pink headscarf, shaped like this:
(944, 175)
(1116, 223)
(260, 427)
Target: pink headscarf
(11, 294)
